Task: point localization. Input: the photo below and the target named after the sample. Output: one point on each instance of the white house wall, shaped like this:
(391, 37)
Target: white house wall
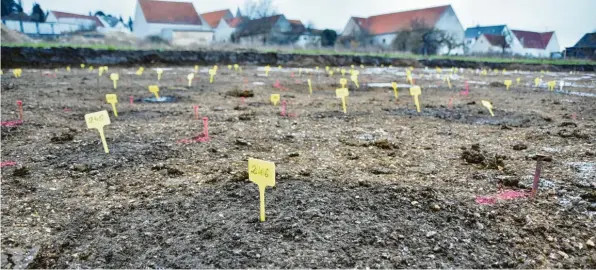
(143, 29)
(140, 27)
(308, 41)
(450, 24)
(223, 32)
(483, 46)
(383, 40)
(553, 44)
(351, 28)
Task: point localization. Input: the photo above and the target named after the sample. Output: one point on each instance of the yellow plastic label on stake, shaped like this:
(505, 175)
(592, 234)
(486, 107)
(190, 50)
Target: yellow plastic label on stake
(361, 66)
(159, 72)
(155, 90)
(279, 67)
(236, 66)
(354, 79)
(215, 67)
(508, 83)
(82, 65)
(317, 67)
(343, 82)
(229, 67)
(343, 72)
(99, 70)
(551, 85)
(275, 99)
(114, 77)
(343, 93)
(98, 120)
(68, 68)
(91, 68)
(394, 85)
(17, 72)
(416, 92)
(309, 86)
(190, 77)
(196, 68)
(489, 106)
(212, 73)
(330, 73)
(261, 173)
(327, 68)
(448, 81)
(537, 82)
(112, 99)
(439, 70)
(140, 71)
(267, 68)
(518, 80)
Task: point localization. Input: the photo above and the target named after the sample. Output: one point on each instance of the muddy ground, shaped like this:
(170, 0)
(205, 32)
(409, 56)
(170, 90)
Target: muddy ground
(381, 187)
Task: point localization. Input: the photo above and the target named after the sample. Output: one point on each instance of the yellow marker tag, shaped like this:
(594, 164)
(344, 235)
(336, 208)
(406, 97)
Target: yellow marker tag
(99, 70)
(330, 73)
(518, 80)
(229, 67)
(448, 81)
(355, 72)
(279, 67)
(416, 92)
(309, 86)
(267, 68)
(140, 71)
(343, 93)
(343, 82)
(190, 77)
(484, 72)
(112, 99)
(155, 90)
(352, 66)
(317, 67)
(300, 72)
(489, 106)
(215, 67)
(261, 173)
(508, 83)
(98, 120)
(159, 72)
(114, 77)
(504, 70)
(361, 66)
(542, 72)
(394, 85)
(409, 79)
(343, 72)
(439, 70)
(551, 85)
(91, 68)
(383, 65)
(390, 66)
(355, 80)
(82, 65)
(537, 81)
(327, 68)
(236, 66)
(196, 68)
(68, 68)
(212, 72)
(336, 69)
(17, 72)
(275, 99)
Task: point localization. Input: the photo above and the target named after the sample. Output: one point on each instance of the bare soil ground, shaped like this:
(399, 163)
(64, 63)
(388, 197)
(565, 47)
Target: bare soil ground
(381, 187)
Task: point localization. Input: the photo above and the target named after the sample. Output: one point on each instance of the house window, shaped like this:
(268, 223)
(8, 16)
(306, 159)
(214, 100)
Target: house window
(371, 42)
(305, 38)
(383, 41)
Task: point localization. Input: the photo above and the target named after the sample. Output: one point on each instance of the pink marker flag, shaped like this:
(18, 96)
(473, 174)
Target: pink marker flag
(242, 100)
(196, 108)
(283, 108)
(131, 100)
(450, 103)
(7, 163)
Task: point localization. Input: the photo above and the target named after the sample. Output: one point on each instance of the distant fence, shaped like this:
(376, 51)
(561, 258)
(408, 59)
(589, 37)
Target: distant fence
(36, 28)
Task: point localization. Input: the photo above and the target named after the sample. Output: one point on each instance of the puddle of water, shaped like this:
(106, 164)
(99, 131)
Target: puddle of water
(161, 99)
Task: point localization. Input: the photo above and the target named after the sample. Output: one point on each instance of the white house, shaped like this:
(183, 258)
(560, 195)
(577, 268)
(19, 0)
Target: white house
(84, 22)
(177, 22)
(488, 44)
(381, 30)
(112, 24)
(307, 37)
(224, 24)
(518, 42)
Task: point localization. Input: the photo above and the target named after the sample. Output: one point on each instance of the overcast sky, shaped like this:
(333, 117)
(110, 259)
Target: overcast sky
(571, 19)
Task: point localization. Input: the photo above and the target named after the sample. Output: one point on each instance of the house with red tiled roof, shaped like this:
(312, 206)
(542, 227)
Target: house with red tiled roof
(382, 30)
(272, 30)
(535, 44)
(224, 24)
(484, 39)
(177, 22)
(83, 21)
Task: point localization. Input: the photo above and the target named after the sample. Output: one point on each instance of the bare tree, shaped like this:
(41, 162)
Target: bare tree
(255, 9)
(423, 39)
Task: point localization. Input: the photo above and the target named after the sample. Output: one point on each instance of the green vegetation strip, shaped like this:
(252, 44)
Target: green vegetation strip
(331, 52)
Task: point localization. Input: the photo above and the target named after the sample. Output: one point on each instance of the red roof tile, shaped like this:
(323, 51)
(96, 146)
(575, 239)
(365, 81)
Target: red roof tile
(533, 40)
(170, 12)
(213, 18)
(394, 22)
(234, 22)
(495, 40)
(60, 15)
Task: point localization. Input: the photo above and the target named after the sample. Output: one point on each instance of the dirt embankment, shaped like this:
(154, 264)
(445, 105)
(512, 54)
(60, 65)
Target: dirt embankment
(58, 57)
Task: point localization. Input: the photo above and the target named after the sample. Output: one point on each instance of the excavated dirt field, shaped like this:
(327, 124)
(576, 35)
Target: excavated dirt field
(381, 187)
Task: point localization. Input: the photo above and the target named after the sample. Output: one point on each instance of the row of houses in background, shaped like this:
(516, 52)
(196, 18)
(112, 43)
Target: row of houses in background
(59, 23)
(180, 24)
(435, 30)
